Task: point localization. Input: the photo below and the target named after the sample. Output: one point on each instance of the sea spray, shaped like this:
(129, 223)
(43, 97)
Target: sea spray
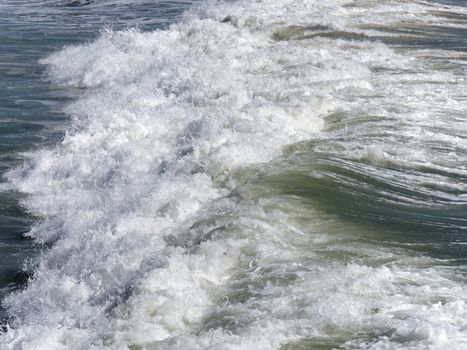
(170, 222)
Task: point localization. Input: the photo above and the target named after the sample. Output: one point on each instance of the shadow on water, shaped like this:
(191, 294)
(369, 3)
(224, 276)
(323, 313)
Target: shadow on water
(15, 247)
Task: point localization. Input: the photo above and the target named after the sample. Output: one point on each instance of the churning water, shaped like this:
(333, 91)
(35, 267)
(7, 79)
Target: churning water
(275, 174)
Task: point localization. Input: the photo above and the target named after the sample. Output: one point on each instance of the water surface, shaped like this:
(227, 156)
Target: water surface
(257, 175)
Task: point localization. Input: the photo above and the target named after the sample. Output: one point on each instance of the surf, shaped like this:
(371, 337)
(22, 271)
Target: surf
(238, 184)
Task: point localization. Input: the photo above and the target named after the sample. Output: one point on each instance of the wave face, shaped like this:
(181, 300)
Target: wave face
(262, 175)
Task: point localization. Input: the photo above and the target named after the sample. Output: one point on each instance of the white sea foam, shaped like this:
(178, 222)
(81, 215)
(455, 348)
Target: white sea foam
(151, 249)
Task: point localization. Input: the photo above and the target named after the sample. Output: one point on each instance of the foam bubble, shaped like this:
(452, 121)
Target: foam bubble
(154, 242)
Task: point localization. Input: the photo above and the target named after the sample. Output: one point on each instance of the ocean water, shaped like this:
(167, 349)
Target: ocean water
(233, 175)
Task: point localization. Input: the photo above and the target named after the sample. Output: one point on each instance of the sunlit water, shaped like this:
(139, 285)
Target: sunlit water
(31, 109)
(256, 175)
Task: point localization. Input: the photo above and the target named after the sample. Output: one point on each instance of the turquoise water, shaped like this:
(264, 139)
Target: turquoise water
(234, 175)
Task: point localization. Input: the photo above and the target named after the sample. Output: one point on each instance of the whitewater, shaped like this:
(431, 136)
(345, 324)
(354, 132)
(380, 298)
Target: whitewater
(256, 175)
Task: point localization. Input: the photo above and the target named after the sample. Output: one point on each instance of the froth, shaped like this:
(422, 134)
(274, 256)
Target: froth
(153, 243)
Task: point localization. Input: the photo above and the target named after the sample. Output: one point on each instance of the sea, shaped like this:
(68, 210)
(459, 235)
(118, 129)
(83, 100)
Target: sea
(233, 175)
